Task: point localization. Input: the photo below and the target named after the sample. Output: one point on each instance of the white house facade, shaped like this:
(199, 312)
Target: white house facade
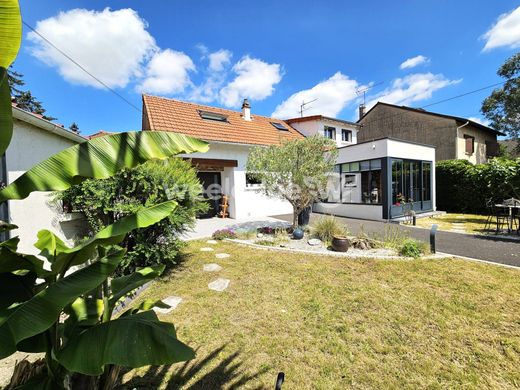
(34, 140)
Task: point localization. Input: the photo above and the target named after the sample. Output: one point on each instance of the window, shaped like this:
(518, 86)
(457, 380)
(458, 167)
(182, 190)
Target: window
(329, 132)
(361, 182)
(470, 144)
(212, 116)
(346, 135)
(252, 181)
(426, 182)
(279, 126)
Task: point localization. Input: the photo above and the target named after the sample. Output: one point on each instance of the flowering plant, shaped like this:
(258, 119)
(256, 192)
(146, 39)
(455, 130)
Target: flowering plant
(223, 234)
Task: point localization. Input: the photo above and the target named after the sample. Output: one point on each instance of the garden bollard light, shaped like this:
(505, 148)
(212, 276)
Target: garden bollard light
(433, 232)
(279, 381)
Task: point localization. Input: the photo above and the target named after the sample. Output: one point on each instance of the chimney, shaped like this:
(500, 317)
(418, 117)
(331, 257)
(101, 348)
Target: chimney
(362, 111)
(246, 110)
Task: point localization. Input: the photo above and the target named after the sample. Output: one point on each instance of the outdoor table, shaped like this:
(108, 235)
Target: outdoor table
(510, 219)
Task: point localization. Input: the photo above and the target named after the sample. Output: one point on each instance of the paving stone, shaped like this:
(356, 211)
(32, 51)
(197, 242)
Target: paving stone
(211, 267)
(314, 242)
(219, 285)
(172, 301)
(222, 255)
(206, 249)
(212, 242)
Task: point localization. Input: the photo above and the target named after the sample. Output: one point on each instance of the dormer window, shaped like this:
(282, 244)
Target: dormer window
(346, 135)
(329, 132)
(279, 126)
(213, 116)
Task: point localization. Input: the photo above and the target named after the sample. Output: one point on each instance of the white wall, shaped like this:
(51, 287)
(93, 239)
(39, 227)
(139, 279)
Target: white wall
(361, 211)
(315, 126)
(29, 146)
(244, 202)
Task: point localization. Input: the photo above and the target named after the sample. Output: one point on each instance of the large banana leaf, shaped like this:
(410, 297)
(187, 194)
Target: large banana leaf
(15, 288)
(62, 257)
(100, 158)
(131, 341)
(10, 31)
(42, 311)
(6, 115)
(123, 285)
(11, 261)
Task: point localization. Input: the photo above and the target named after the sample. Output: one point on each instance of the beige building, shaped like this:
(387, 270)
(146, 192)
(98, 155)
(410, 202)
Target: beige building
(453, 137)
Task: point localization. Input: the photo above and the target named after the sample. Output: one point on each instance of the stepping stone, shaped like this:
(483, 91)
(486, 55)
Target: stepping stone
(212, 242)
(172, 301)
(211, 267)
(314, 242)
(219, 285)
(206, 249)
(222, 255)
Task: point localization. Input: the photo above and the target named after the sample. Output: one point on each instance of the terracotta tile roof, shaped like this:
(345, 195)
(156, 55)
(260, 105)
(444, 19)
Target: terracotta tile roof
(183, 117)
(99, 133)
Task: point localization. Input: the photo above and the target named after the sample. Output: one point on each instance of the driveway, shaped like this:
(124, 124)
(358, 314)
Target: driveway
(489, 248)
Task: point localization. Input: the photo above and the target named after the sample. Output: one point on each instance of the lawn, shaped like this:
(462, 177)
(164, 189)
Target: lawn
(332, 323)
(462, 223)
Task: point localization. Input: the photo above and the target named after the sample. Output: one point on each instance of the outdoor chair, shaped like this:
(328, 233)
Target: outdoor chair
(490, 215)
(502, 217)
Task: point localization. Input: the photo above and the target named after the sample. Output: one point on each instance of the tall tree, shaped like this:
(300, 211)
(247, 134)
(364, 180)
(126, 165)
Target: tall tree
(296, 171)
(24, 99)
(502, 107)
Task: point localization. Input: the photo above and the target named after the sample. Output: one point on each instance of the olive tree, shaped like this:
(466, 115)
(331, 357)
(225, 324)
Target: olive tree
(296, 171)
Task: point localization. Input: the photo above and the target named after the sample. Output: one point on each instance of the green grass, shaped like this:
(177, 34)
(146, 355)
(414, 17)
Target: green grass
(473, 223)
(332, 323)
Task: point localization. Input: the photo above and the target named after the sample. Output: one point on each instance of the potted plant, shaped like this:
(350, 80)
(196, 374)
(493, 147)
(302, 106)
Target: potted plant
(340, 243)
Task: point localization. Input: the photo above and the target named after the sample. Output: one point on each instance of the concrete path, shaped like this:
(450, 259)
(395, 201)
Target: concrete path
(489, 248)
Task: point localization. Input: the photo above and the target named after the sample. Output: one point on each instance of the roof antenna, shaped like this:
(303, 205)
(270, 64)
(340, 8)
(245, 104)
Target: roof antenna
(303, 108)
(364, 91)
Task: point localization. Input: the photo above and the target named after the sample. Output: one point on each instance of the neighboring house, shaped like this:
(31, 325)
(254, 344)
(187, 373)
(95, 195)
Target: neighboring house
(373, 178)
(231, 135)
(34, 140)
(453, 137)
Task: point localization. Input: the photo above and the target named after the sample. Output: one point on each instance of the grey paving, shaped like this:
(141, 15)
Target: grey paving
(489, 248)
(219, 285)
(222, 255)
(211, 267)
(172, 301)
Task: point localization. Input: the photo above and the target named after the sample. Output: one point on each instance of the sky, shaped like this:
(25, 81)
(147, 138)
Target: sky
(277, 54)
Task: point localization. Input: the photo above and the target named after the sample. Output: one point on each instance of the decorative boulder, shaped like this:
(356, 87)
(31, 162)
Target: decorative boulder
(297, 234)
(314, 242)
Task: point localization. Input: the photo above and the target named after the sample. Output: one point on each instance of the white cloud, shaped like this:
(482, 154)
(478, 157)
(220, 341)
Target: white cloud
(332, 95)
(255, 80)
(412, 88)
(505, 32)
(414, 61)
(219, 59)
(112, 45)
(482, 121)
(167, 73)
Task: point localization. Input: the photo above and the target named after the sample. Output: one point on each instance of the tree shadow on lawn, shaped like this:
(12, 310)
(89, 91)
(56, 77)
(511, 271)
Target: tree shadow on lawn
(227, 372)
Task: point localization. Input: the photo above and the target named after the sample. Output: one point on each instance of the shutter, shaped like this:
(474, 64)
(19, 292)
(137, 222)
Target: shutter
(492, 148)
(470, 141)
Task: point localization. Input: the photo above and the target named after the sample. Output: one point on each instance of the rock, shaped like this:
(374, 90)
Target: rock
(314, 242)
(206, 249)
(222, 255)
(219, 285)
(284, 245)
(259, 235)
(211, 267)
(212, 242)
(172, 301)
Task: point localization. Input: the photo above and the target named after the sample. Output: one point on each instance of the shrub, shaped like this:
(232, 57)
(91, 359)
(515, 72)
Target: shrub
(465, 188)
(392, 237)
(223, 234)
(130, 190)
(327, 227)
(412, 248)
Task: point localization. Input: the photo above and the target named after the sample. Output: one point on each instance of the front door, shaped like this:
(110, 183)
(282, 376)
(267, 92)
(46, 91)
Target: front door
(211, 184)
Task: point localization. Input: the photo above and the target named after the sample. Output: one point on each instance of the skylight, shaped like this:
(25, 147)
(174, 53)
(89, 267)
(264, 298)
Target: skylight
(212, 116)
(279, 126)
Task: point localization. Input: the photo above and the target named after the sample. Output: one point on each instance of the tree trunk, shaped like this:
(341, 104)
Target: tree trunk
(295, 217)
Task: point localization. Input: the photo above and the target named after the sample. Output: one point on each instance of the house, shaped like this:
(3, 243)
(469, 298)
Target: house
(379, 179)
(231, 135)
(453, 137)
(34, 140)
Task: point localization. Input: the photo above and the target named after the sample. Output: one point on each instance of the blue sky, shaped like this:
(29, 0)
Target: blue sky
(275, 53)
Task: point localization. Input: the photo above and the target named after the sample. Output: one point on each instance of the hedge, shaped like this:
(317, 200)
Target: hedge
(466, 188)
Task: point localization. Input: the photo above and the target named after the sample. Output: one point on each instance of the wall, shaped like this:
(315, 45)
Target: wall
(244, 202)
(361, 211)
(479, 155)
(386, 121)
(315, 126)
(29, 146)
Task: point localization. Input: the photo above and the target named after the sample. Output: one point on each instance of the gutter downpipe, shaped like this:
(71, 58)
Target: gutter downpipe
(457, 140)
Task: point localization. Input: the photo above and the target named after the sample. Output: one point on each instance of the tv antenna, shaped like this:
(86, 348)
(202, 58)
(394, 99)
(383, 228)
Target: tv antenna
(303, 108)
(363, 91)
